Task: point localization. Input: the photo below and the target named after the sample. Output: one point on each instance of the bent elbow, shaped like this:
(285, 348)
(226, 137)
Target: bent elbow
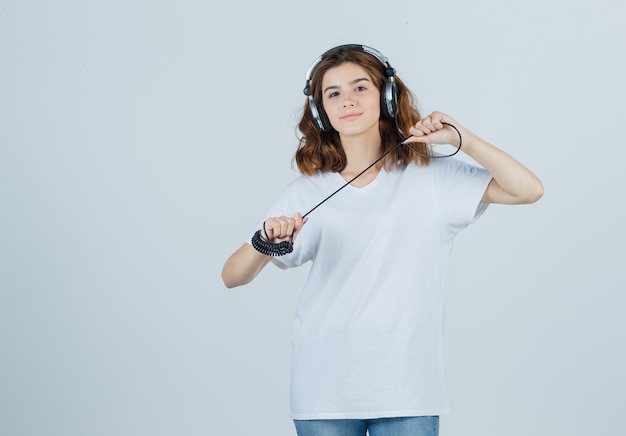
(536, 193)
(233, 278)
(230, 282)
(228, 278)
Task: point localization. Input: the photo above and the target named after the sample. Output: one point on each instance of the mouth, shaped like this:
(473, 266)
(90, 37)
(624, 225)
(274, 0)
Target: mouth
(350, 117)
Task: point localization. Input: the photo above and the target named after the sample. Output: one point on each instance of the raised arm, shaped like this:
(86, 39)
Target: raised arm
(246, 263)
(512, 182)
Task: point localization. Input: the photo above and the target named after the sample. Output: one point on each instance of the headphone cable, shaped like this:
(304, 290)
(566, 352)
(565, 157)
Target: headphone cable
(430, 156)
(285, 247)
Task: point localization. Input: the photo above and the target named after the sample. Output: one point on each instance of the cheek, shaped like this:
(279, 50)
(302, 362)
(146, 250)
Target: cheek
(375, 102)
(376, 108)
(330, 106)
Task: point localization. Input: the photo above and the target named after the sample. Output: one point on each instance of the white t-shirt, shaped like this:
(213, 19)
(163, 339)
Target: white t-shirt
(368, 331)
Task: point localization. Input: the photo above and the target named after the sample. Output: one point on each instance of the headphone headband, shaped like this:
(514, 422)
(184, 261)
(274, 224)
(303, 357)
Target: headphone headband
(389, 70)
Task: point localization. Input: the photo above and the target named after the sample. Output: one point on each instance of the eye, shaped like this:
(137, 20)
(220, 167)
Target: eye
(360, 89)
(333, 94)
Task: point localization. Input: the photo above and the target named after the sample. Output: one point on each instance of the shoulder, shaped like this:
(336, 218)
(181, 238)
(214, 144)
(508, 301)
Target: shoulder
(438, 166)
(442, 173)
(455, 167)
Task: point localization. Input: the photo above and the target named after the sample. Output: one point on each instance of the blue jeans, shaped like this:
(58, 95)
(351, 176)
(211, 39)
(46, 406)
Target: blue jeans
(405, 426)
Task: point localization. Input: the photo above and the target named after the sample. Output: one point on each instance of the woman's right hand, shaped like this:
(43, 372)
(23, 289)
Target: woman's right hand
(282, 228)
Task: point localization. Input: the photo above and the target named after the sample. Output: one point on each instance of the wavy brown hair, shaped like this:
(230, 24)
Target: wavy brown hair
(322, 151)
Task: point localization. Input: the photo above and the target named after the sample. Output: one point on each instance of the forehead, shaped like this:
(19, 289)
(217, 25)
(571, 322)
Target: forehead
(344, 73)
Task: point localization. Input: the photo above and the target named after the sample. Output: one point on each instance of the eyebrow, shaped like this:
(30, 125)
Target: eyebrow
(360, 79)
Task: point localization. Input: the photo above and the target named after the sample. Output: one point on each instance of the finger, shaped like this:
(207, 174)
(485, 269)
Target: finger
(414, 139)
(419, 130)
(288, 227)
(299, 222)
(270, 227)
(284, 225)
(415, 132)
(276, 227)
(436, 119)
(428, 123)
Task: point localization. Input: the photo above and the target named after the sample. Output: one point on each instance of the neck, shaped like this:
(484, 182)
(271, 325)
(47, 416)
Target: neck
(361, 151)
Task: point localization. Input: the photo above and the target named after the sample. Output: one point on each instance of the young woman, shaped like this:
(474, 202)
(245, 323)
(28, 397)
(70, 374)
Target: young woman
(383, 212)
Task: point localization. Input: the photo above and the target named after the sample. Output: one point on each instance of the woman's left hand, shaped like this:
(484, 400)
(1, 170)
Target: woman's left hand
(431, 130)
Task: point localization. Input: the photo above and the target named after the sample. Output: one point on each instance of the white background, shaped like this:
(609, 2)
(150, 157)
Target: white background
(140, 140)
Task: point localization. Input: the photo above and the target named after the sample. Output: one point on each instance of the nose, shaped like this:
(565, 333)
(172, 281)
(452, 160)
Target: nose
(347, 101)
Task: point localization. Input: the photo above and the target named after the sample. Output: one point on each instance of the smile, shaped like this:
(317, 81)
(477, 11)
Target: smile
(351, 117)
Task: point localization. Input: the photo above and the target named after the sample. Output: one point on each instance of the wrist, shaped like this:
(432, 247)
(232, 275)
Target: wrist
(469, 141)
(270, 248)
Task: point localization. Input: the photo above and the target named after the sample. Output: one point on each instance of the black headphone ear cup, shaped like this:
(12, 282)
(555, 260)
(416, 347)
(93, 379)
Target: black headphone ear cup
(319, 116)
(389, 99)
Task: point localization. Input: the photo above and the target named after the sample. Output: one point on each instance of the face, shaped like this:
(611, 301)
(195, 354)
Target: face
(351, 100)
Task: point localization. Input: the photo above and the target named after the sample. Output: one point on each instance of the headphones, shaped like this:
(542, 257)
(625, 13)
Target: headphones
(388, 91)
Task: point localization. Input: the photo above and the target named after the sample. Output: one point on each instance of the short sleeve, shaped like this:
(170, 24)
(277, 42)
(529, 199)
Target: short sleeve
(458, 189)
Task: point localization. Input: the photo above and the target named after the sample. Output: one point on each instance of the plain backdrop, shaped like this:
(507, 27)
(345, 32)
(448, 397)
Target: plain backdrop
(141, 140)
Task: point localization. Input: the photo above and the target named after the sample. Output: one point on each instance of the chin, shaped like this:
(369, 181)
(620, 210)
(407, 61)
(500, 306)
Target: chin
(358, 131)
